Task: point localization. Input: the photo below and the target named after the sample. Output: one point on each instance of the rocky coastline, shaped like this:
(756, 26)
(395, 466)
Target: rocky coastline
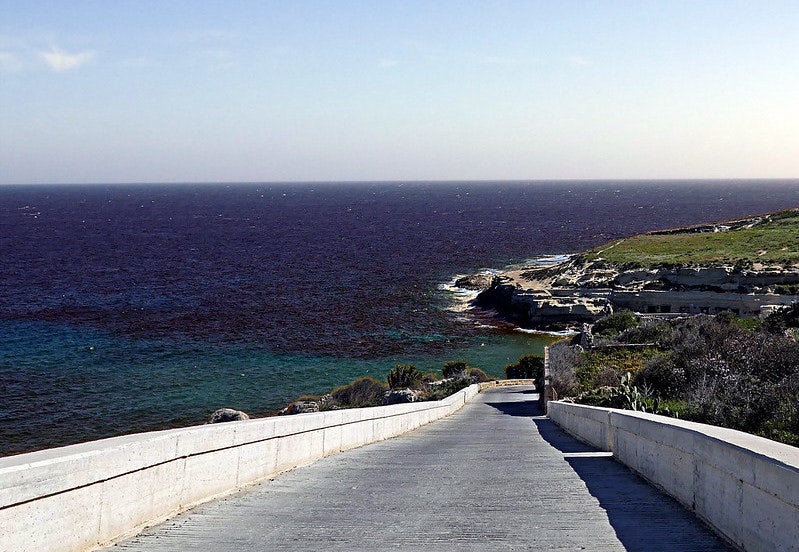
(563, 292)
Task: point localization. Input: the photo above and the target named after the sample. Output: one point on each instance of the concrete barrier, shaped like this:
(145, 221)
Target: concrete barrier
(744, 486)
(84, 496)
(505, 383)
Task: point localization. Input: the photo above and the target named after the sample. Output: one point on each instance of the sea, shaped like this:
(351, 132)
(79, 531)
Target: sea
(130, 308)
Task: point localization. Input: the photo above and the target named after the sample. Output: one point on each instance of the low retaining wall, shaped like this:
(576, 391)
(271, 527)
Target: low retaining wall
(505, 383)
(82, 496)
(744, 486)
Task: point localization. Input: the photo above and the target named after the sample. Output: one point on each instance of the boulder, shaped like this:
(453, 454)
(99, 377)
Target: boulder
(397, 396)
(301, 407)
(227, 415)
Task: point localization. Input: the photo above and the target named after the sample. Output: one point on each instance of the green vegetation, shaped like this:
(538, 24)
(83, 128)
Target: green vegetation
(368, 391)
(405, 376)
(615, 323)
(527, 367)
(628, 396)
(478, 376)
(447, 388)
(773, 241)
(718, 370)
(607, 367)
(362, 392)
(455, 369)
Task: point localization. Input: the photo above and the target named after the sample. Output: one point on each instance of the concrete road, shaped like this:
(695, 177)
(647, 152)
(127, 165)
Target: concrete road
(494, 476)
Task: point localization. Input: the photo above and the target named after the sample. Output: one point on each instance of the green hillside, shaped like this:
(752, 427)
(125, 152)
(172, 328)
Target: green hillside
(771, 240)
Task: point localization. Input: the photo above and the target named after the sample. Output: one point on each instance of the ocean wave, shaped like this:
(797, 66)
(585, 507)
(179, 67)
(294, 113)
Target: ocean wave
(549, 259)
(562, 333)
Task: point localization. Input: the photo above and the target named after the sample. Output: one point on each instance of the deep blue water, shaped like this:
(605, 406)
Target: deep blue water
(130, 308)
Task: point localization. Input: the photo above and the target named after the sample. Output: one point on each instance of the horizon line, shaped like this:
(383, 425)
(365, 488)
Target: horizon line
(393, 181)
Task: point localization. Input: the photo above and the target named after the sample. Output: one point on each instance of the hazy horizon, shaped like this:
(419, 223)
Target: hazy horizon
(308, 91)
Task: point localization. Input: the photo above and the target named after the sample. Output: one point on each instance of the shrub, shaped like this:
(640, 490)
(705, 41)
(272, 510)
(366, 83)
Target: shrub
(405, 376)
(362, 392)
(658, 332)
(717, 370)
(455, 369)
(661, 376)
(527, 367)
(621, 360)
(564, 361)
(430, 377)
(786, 317)
(608, 377)
(447, 388)
(478, 376)
(615, 323)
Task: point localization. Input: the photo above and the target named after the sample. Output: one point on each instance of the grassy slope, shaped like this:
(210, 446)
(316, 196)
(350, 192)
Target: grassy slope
(778, 237)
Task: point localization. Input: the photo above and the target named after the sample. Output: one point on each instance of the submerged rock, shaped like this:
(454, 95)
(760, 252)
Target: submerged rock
(227, 415)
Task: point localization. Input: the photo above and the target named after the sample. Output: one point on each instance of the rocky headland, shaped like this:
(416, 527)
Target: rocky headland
(748, 266)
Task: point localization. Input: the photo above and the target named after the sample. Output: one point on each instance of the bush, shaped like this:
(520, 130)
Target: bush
(661, 376)
(608, 377)
(614, 324)
(621, 360)
(362, 392)
(786, 317)
(658, 332)
(447, 388)
(478, 376)
(527, 367)
(564, 361)
(405, 376)
(430, 377)
(455, 369)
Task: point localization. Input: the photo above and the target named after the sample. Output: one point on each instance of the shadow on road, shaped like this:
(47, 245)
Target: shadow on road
(527, 408)
(643, 518)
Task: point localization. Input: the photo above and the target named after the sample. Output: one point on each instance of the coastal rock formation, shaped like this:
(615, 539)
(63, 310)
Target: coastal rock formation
(570, 290)
(301, 407)
(227, 415)
(397, 396)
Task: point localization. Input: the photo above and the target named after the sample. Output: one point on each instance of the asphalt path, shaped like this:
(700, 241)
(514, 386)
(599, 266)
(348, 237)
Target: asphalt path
(497, 475)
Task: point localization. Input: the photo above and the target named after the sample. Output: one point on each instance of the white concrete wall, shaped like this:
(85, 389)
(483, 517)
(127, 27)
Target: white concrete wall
(744, 486)
(82, 496)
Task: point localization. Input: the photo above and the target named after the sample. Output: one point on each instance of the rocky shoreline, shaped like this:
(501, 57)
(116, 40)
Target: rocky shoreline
(563, 292)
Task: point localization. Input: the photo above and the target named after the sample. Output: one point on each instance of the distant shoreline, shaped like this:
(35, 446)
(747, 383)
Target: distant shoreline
(738, 265)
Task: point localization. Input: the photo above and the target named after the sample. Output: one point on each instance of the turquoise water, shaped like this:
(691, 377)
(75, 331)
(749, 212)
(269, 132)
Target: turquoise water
(90, 384)
(132, 308)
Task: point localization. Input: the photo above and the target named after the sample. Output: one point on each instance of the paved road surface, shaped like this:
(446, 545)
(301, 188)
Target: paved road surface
(494, 476)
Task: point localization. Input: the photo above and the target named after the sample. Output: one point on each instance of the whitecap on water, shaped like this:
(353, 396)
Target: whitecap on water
(562, 333)
(550, 259)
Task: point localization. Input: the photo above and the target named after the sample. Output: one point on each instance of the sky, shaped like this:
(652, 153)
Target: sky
(95, 91)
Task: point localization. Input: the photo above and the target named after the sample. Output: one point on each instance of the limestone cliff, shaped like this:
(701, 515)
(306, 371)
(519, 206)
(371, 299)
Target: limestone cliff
(579, 288)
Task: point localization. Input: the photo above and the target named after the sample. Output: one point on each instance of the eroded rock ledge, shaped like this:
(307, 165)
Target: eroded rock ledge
(581, 288)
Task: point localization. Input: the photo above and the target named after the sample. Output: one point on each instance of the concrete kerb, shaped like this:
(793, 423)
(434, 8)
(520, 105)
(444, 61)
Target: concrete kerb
(84, 496)
(744, 486)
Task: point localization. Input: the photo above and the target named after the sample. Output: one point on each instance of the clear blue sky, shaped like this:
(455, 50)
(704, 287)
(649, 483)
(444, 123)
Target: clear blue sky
(170, 90)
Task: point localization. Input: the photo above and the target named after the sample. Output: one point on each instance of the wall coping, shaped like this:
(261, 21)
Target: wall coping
(743, 485)
(82, 496)
(765, 448)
